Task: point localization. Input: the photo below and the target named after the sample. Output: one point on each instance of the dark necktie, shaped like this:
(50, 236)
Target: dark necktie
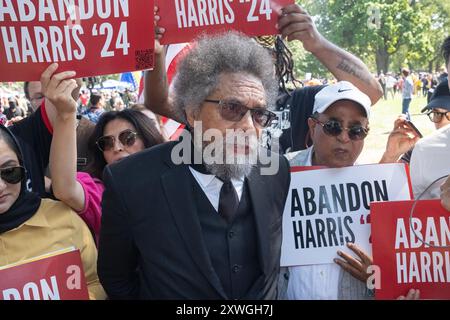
(228, 198)
(228, 201)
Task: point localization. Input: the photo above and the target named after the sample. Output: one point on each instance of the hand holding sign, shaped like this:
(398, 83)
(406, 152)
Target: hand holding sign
(296, 24)
(412, 295)
(58, 88)
(356, 267)
(114, 36)
(324, 209)
(186, 19)
(159, 32)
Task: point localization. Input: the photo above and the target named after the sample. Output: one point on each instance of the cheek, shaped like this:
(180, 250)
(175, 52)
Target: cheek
(358, 147)
(16, 190)
(211, 119)
(138, 146)
(109, 156)
(321, 140)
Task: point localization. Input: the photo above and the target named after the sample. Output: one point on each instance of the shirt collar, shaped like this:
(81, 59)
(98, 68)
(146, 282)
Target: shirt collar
(309, 156)
(37, 220)
(206, 179)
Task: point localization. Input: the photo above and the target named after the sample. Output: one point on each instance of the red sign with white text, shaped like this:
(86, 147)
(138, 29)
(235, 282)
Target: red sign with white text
(405, 261)
(60, 277)
(89, 37)
(186, 19)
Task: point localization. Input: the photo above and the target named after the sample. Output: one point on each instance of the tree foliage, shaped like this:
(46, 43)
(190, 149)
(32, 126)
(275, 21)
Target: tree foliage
(385, 34)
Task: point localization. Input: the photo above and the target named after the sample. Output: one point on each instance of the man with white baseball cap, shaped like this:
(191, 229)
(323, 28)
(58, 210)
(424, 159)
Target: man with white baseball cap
(338, 127)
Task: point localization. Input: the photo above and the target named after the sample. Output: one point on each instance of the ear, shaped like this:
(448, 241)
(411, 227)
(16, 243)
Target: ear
(312, 126)
(312, 129)
(190, 116)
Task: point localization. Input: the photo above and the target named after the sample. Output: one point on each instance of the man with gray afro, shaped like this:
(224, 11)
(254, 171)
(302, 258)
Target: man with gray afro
(201, 218)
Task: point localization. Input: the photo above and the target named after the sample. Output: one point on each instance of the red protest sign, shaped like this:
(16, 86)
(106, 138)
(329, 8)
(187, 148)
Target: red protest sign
(186, 19)
(405, 262)
(307, 168)
(91, 37)
(59, 277)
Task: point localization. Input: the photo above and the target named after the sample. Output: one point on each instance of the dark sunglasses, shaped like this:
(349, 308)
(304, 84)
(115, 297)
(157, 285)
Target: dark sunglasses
(13, 175)
(127, 138)
(235, 111)
(334, 128)
(436, 116)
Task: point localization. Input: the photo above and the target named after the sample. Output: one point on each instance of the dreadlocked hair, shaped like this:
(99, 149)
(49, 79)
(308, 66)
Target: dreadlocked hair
(284, 63)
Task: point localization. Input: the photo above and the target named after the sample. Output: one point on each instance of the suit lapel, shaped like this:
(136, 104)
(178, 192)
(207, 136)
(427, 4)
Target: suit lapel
(261, 206)
(177, 184)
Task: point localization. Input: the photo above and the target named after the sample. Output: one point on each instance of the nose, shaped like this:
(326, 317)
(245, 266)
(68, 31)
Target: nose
(118, 146)
(344, 136)
(2, 185)
(246, 122)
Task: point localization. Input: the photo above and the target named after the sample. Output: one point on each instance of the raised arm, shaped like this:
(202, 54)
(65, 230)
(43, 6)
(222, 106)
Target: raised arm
(57, 89)
(296, 24)
(50, 108)
(156, 91)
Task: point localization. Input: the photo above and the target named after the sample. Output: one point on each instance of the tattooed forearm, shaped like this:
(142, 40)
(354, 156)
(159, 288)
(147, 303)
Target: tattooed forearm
(353, 69)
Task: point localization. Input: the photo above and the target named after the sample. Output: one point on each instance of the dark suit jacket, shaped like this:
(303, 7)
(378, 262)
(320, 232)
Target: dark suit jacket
(151, 244)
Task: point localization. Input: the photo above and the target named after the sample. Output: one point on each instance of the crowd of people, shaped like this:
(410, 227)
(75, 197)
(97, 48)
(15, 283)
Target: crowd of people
(15, 106)
(424, 83)
(148, 226)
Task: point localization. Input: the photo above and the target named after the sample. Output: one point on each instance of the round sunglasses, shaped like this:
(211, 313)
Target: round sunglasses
(234, 111)
(334, 128)
(13, 175)
(127, 138)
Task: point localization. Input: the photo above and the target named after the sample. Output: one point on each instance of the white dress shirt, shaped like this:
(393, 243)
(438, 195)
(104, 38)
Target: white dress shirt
(211, 186)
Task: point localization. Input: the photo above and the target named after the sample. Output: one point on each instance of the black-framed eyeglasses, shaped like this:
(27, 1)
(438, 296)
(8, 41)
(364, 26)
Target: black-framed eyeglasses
(334, 128)
(436, 116)
(234, 111)
(127, 138)
(13, 175)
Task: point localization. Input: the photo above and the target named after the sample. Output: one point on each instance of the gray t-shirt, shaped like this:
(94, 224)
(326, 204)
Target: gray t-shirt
(408, 88)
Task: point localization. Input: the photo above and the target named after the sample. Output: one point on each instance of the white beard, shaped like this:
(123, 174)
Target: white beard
(229, 165)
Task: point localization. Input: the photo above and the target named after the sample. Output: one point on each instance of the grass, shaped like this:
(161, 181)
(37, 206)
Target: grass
(383, 115)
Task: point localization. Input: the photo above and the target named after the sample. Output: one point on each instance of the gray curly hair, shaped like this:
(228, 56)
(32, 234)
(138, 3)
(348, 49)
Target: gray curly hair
(231, 52)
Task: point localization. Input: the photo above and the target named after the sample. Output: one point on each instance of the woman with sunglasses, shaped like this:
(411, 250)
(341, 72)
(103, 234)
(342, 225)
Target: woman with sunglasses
(117, 135)
(47, 225)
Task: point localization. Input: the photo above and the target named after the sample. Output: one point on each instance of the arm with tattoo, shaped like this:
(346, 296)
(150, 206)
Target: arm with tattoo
(296, 24)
